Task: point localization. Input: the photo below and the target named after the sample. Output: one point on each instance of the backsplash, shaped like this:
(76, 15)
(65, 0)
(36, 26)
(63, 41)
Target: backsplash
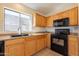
(38, 29)
(73, 29)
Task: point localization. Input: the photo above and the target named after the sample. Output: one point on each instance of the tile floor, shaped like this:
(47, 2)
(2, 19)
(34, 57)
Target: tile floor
(47, 52)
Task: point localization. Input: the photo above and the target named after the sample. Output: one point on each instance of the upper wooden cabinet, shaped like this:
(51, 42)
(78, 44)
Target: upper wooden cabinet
(40, 21)
(49, 21)
(72, 14)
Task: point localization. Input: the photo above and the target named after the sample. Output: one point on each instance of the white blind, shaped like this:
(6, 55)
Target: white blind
(15, 22)
(11, 21)
(26, 23)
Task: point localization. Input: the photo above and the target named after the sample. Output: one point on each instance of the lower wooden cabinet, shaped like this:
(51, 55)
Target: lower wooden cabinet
(15, 50)
(30, 46)
(73, 45)
(40, 44)
(25, 46)
(14, 47)
(10, 50)
(34, 44)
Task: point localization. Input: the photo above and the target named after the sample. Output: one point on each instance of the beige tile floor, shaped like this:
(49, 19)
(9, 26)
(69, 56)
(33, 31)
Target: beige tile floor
(47, 52)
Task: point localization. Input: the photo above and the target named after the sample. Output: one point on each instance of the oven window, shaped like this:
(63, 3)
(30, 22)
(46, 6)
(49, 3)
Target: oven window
(58, 41)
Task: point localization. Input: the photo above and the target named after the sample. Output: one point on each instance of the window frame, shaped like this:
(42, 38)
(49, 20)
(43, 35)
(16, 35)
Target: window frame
(31, 17)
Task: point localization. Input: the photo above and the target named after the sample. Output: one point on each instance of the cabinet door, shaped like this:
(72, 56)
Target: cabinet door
(30, 47)
(45, 41)
(43, 21)
(15, 50)
(50, 21)
(73, 46)
(40, 43)
(73, 16)
(19, 49)
(40, 20)
(10, 50)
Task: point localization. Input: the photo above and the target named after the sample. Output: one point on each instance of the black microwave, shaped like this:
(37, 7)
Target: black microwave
(61, 22)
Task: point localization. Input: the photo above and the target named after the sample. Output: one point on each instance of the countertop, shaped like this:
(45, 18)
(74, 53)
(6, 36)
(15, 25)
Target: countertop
(8, 36)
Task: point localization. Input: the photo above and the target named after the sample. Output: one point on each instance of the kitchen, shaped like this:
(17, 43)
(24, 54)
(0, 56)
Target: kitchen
(37, 29)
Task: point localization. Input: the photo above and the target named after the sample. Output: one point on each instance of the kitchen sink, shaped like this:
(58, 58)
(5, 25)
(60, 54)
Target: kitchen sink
(19, 35)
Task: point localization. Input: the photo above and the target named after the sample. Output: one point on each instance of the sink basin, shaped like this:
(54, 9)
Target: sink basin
(19, 35)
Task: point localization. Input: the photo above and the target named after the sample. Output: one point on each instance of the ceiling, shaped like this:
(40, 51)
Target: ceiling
(48, 9)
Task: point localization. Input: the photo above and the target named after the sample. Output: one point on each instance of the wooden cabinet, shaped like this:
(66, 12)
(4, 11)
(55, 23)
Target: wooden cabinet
(15, 50)
(14, 47)
(25, 46)
(73, 16)
(40, 21)
(10, 50)
(30, 46)
(40, 44)
(49, 21)
(19, 49)
(73, 45)
(78, 15)
(34, 44)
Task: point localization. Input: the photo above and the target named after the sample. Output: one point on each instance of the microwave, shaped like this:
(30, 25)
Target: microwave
(61, 22)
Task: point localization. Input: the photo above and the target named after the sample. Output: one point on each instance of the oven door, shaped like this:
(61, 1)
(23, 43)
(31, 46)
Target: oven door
(60, 44)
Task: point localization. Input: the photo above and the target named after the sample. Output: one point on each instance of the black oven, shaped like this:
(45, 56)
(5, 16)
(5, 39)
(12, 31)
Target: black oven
(61, 22)
(59, 41)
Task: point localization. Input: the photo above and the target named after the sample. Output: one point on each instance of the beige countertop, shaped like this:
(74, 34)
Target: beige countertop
(8, 36)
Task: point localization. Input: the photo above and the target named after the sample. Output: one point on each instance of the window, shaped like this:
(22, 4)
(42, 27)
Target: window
(11, 21)
(26, 23)
(15, 22)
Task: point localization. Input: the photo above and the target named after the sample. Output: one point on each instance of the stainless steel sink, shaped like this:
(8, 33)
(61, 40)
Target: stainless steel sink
(19, 35)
